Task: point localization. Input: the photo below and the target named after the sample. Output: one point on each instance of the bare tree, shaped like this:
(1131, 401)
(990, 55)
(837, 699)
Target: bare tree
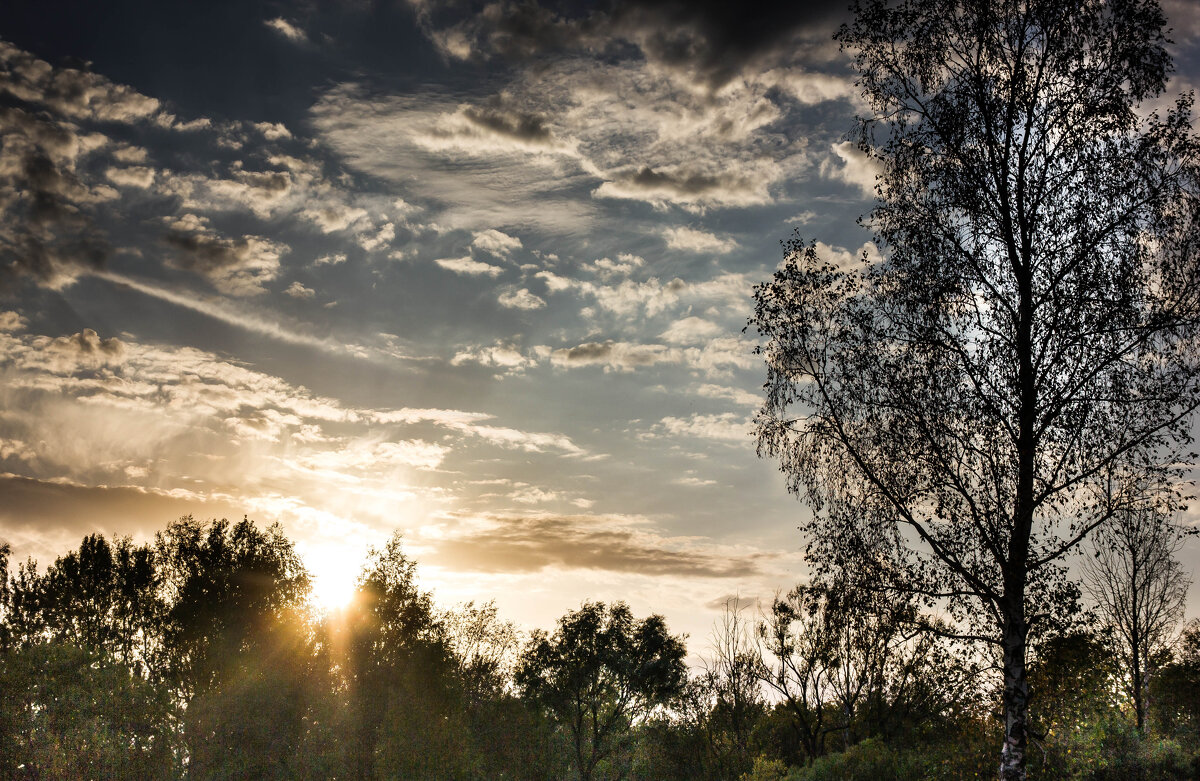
(963, 409)
(1139, 588)
(725, 699)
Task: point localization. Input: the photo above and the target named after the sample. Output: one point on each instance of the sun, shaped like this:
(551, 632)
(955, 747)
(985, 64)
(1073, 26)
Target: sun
(334, 572)
(332, 594)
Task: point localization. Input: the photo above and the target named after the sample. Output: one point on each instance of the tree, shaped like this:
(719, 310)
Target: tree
(1072, 682)
(69, 712)
(232, 644)
(399, 669)
(1139, 588)
(1176, 689)
(1018, 365)
(845, 659)
(104, 597)
(725, 700)
(599, 672)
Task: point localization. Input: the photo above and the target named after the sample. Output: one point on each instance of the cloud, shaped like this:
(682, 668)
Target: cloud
(297, 290)
(273, 131)
(691, 240)
(686, 187)
(846, 260)
(93, 409)
(620, 356)
(47, 231)
(521, 299)
(356, 457)
(496, 242)
(727, 427)
(90, 346)
(287, 29)
(618, 128)
(501, 355)
(624, 298)
(45, 517)
(132, 176)
(71, 92)
(335, 217)
(734, 601)
(469, 266)
(537, 541)
(237, 316)
(12, 321)
(263, 192)
(736, 395)
(811, 88)
(235, 266)
(623, 266)
(713, 42)
(523, 126)
(691, 330)
(857, 167)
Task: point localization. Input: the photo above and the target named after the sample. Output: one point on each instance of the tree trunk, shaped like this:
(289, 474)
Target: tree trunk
(1016, 698)
(1139, 694)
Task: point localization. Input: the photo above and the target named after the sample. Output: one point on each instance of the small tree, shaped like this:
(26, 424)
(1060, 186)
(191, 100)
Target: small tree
(399, 673)
(599, 672)
(724, 701)
(962, 413)
(1139, 588)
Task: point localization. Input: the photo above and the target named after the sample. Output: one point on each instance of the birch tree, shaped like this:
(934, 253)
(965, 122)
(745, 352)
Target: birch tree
(1020, 363)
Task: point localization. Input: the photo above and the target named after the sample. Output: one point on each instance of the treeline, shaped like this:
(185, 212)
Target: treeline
(199, 656)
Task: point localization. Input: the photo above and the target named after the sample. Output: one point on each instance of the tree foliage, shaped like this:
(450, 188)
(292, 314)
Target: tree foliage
(598, 673)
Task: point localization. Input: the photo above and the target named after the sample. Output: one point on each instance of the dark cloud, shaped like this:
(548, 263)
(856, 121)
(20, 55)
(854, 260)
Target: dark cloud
(712, 40)
(530, 544)
(688, 184)
(589, 352)
(206, 253)
(237, 266)
(521, 125)
(734, 602)
(32, 508)
(45, 229)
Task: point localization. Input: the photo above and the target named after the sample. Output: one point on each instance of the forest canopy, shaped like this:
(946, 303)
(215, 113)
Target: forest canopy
(200, 654)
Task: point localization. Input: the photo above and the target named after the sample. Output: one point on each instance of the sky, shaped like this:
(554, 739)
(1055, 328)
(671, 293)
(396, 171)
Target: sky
(476, 272)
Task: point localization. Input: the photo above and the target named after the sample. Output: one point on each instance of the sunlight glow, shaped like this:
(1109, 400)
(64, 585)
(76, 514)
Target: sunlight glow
(333, 571)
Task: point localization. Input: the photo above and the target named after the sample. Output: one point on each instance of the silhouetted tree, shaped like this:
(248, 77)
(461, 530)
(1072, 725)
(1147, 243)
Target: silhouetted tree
(404, 703)
(231, 641)
(1139, 588)
(724, 701)
(105, 597)
(1072, 681)
(69, 712)
(964, 410)
(598, 673)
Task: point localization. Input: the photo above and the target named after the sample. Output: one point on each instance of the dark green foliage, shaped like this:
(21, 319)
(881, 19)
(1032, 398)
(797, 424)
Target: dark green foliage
(599, 673)
(66, 712)
(404, 704)
(1074, 683)
(1175, 690)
